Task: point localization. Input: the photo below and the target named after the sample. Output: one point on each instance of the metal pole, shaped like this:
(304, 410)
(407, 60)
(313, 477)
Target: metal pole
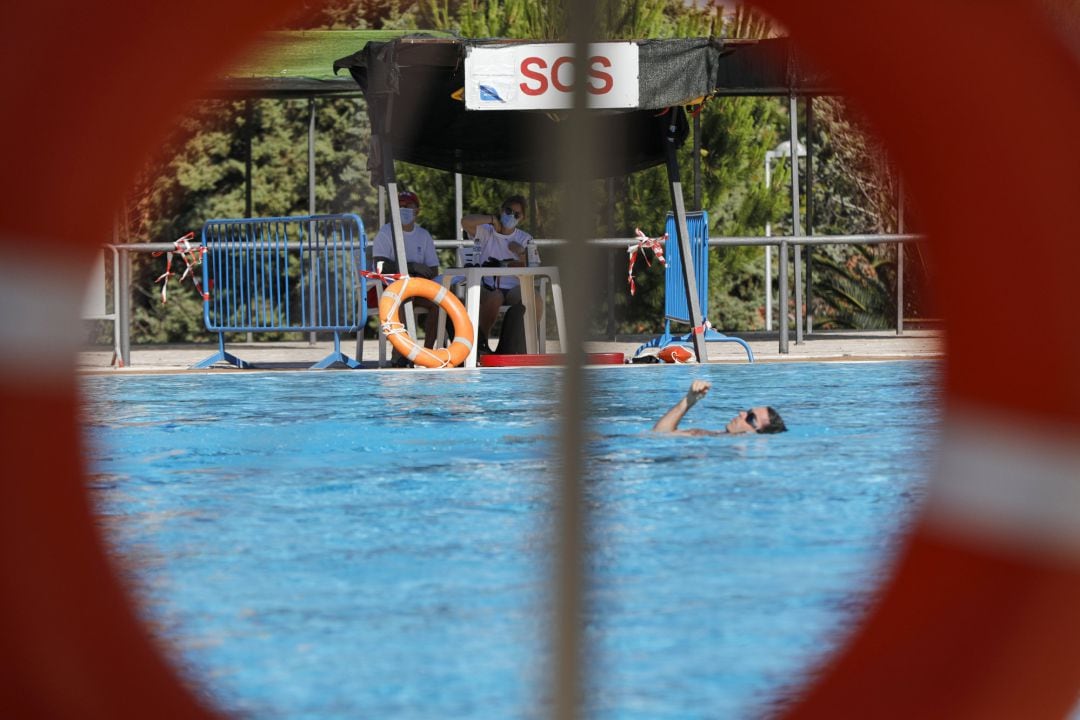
(697, 162)
(796, 229)
(900, 257)
(312, 337)
(679, 210)
(118, 352)
(390, 178)
(809, 213)
(382, 206)
(768, 249)
(782, 306)
(311, 156)
(124, 315)
(458, 208)
(249, 117)
(578, 162)
(611, 259)
(750, 240)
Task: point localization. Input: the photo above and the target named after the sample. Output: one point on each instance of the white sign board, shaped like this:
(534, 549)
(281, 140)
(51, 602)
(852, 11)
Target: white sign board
(541, 76)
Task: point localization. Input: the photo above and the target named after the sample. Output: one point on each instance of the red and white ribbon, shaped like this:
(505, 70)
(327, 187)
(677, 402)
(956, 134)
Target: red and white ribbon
(193, 257)
(378, 274)
(644, 243)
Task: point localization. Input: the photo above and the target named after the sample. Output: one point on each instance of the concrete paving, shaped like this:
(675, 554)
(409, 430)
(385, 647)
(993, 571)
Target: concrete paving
(846, 345)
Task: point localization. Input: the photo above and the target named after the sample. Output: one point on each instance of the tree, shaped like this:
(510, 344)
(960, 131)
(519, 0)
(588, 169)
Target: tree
(856, 192)
(199, 174)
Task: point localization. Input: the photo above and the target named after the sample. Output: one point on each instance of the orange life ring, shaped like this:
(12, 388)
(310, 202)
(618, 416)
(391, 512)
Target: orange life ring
(980, 618)
(389, 317)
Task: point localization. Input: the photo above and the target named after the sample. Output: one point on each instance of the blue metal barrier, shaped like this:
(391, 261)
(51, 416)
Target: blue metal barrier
(290, 274)
(676, 305)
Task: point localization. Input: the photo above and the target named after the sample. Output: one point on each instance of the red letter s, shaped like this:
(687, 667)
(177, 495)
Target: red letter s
(532, 75)
(607, 82)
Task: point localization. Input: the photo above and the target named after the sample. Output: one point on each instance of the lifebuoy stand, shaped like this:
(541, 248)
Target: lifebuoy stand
(978, 106)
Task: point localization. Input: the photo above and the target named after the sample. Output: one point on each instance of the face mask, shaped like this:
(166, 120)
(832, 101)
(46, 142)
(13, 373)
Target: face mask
(408, 214)
(508, 221)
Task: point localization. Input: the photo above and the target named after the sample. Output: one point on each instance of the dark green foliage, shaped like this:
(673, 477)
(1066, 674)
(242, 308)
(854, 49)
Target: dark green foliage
(856, 289)
(199, 175)
(355, 14)
(855, 192)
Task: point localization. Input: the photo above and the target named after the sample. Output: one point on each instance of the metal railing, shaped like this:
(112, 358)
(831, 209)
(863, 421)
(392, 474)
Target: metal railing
(123, 275)
(783, 243)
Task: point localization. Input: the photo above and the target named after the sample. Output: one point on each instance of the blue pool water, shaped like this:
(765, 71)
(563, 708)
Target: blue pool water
(360, 544)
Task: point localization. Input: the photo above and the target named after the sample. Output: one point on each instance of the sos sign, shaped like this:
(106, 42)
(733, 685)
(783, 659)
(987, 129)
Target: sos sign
(541, 76)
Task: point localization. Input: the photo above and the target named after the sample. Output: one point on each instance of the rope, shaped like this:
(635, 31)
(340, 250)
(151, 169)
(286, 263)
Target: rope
(393, 310)
(392, 328)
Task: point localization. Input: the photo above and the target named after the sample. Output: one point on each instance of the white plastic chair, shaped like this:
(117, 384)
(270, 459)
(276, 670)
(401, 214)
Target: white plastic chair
(470, 255)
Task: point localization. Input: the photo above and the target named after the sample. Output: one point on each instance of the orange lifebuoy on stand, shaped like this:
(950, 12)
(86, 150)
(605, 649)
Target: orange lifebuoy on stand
(389, 317)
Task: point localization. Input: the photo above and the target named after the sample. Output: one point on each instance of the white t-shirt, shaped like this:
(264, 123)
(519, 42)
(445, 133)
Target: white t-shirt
(494, 246)
(419, 247)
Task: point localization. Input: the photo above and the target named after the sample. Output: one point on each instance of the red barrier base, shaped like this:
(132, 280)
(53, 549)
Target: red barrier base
(606, 359)
(548, 359)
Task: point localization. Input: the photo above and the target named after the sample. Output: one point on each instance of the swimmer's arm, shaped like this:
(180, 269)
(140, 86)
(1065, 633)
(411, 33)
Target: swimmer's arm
(669, 423)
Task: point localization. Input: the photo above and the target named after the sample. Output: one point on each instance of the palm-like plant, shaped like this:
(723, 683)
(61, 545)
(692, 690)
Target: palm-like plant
(855, 289)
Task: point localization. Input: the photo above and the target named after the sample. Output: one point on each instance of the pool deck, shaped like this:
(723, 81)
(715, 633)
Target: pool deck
(839, 345)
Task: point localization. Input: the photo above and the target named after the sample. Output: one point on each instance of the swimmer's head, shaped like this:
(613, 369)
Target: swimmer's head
(762, 420)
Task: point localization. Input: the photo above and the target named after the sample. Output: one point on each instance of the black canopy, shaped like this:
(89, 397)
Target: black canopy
(413, 85)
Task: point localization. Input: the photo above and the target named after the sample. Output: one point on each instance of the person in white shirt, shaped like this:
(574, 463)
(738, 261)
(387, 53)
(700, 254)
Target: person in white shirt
(504, 244)
(420, 257)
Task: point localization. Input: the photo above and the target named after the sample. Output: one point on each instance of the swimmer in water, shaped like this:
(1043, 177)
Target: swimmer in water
(761, 420)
